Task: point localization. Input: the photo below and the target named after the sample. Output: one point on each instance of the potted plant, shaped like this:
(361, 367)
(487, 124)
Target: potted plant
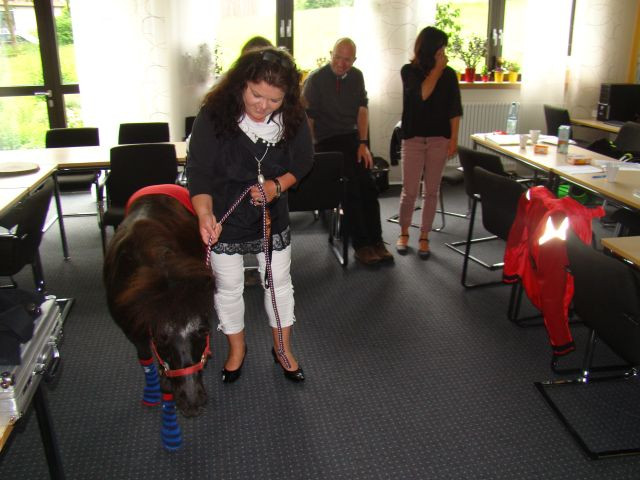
(513, 69)
(470, 53)
(485, 73)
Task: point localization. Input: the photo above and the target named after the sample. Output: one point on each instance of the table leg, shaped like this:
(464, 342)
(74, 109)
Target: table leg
(63, 233)
(47, 434)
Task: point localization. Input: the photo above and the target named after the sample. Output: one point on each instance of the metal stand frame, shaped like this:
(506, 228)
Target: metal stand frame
(631, 374)
(467, 255)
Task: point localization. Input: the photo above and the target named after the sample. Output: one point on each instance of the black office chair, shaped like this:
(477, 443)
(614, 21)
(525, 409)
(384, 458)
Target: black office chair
(557, 116)
(19, 245)
(188, 126)
(607, 299)
(323, 189)
(470, 159)
(628, 140)
(499, 196)
(134, 167)
(627, 146)
(74, 137)
(145, 132)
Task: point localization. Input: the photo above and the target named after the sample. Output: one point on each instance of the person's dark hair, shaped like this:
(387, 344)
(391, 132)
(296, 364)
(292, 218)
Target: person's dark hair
(429, 41)
(254, 43)
(274, 66)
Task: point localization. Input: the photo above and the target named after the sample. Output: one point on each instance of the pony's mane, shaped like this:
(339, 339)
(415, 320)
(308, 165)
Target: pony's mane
(155, 267)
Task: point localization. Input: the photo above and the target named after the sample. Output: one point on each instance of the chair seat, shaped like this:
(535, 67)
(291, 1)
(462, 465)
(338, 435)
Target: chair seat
(75, 182)
(452, 175)
(113, 216)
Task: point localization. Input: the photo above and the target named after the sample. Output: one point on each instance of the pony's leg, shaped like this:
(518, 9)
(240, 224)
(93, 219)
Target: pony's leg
(151, 392)
(171, 434)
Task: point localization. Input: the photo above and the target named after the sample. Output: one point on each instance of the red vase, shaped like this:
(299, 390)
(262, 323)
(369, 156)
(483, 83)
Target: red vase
(485, 77)
(469, 74)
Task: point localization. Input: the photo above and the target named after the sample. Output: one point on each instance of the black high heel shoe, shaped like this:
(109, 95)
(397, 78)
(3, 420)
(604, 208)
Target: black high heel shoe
(230, 376)
(293, 375)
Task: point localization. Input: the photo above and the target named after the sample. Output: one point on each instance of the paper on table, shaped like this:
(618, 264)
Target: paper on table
(552, 140)
(621, 165)
(579, 169)
(501, 139)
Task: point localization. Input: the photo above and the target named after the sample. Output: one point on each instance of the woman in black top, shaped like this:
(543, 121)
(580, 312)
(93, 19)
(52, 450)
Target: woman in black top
(431, 112)
(251, 127)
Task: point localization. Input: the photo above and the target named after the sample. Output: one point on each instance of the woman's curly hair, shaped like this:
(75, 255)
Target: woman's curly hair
(224, 102)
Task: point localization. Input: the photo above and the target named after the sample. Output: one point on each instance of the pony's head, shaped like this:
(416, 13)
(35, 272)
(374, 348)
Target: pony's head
(182, 351)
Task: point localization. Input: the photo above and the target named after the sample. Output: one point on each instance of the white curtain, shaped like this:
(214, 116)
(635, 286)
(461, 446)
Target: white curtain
(136, 60)
(544, 65)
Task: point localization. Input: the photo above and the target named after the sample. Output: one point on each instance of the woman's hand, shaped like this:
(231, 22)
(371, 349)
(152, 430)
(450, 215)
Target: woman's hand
(270, 191)
(452, 149)
(441, 60)
(210, 229)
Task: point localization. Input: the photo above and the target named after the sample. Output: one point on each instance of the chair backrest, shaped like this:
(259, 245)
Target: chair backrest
(136, 166)
(473, 158)
(322, 188)
(72, 137)
(628, 138)
(554, 117)
(188, 125)
(27, 222)
(606, 297)
(146, 132)
(395, 145)
(500, 196)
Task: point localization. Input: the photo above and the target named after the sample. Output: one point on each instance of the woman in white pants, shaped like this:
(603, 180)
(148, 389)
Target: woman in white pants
(251, 129)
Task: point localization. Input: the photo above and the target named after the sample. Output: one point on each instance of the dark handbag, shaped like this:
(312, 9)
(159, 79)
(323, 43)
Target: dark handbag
(18, 310)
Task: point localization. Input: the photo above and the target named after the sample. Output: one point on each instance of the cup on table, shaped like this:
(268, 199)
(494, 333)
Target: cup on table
(535, 136)
(611, 169)
(523, 141)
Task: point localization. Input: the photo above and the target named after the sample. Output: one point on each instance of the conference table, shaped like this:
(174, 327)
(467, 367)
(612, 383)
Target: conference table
(625, 190)
(596, 124)
(14, 187)
(627, 248)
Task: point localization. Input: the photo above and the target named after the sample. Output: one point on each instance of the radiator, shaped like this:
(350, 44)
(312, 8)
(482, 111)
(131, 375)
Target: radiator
(482, 118)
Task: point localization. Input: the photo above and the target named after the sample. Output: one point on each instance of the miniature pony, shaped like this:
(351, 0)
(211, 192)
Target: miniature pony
(160, 293)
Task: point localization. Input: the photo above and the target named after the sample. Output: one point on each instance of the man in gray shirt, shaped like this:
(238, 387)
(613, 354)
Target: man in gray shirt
(339, 119)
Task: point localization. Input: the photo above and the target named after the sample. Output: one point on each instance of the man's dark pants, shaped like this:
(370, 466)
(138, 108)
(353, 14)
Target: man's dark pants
(362, 210)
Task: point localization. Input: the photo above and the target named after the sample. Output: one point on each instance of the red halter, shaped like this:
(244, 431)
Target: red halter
(181, 372)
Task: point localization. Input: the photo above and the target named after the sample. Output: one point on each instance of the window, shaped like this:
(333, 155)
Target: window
(37, 71)
(496, 21)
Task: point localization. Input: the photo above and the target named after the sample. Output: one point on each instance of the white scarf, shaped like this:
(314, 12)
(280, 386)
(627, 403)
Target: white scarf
(270, 131)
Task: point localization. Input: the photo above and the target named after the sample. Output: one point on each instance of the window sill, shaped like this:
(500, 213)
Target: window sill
(480, 85)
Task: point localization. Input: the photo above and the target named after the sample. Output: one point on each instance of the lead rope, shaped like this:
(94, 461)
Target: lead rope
(266, 224)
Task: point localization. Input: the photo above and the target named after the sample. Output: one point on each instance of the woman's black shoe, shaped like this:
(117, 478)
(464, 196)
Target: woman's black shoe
(230, 376)
(293, 375)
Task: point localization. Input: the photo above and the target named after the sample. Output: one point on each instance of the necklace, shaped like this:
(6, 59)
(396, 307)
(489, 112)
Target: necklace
(260, 176)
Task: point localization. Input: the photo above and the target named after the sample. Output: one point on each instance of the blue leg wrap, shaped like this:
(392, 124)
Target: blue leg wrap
(170, 433)
(151, 394)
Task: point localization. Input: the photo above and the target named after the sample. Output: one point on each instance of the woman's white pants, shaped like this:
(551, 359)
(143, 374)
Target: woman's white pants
(228, 271)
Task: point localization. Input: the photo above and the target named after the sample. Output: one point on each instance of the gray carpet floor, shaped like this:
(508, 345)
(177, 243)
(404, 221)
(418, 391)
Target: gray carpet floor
(408, 376)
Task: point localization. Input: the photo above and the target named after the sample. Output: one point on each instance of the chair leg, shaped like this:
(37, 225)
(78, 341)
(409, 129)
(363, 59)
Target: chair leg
(339, 237)
(467, 252)
(441, 211)
(513, 310)
(628, 373)
(38, 274)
